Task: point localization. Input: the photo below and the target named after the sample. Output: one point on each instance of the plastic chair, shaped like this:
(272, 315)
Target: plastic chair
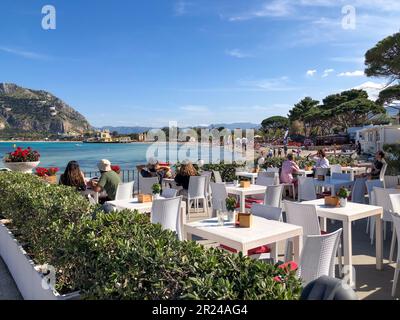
(169, 193)
(321, 172)
(306, 190)
(396, 223)
(196, 193)
(370, 184)
(327, 288)
(383, 172)
(273, 196)
(219, 196)
(391, 182)
(382, 197)
(358, 191)
(167, 213)
(274, 170)
(208, 175)
(336, 168)
(124, 191)
(304, 215)
(146, 184)
(318, 256)
(217, 177)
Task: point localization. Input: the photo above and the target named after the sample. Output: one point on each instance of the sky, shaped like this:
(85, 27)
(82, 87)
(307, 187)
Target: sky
(197, 62)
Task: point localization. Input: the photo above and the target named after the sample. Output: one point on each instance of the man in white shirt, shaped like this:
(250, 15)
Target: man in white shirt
(321, 160)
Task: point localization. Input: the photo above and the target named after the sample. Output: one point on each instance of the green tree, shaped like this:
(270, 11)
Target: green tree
(301, 112)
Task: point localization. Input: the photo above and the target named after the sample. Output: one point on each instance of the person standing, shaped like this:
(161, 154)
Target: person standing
(280, 152)
(285, 150)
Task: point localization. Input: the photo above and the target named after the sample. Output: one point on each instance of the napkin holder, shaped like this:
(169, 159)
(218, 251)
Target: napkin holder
(245, 220)
(144, 198)
(332, 201)
(245, 184)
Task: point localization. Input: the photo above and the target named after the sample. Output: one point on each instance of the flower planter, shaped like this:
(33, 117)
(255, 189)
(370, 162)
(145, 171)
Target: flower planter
(30, 282)
(50, 179)
(343, 202)
(25, 167)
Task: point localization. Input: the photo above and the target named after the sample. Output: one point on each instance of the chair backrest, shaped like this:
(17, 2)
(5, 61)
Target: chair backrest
(275, 170)
(341, 176)
(321, 172)
(266, 181)
(370, 188)
(383, 172)
(167, 213)
(267, 174)
(304, 215)
(336, 168)
(396, 223)
(306, 189)
(197, 186)
(267, 212)
(318, 256)
(358, 191)
(382, 198)
(169, 193)
(124, 191)
(391, 182)
(219, 195)
(395, 201)
(217, 177)
(273, 196)
(146, 184)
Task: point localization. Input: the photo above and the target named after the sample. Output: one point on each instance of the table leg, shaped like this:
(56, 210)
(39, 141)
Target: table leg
(323, 223)
(242, 203)
(348, 254)
(297, 247)
(253, 180)
(379, 243)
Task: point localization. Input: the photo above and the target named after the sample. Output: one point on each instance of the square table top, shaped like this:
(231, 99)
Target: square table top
(353, 211)
(262, 232)
(253, 189)
(134, 204)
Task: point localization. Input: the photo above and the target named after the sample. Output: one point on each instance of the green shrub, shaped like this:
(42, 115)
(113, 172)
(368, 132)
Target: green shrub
(122, 255)
(227, 171)
(393, 159)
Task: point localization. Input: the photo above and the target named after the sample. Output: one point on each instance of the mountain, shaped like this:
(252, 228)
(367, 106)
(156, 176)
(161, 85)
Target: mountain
(126, 130)
(26, 110)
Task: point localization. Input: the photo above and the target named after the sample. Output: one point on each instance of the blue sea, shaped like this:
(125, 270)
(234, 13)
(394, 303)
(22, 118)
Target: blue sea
(127, 156)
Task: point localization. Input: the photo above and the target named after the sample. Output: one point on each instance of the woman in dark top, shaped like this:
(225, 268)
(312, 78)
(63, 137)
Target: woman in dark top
(182, 178)
(73, 177)
(378, 165)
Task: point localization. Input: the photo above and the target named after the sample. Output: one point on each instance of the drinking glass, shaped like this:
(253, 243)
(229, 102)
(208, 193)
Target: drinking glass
(221, 217)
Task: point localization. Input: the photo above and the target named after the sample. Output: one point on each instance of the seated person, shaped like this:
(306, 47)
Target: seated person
(182, 178)
(154, 169)
(321, 160)
(73, 177)
(288, 168)
(108, 182)
(377, 165)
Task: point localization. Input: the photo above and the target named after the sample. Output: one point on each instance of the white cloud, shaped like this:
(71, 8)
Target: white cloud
(357, 73)
(24, 53)
(311, 73)
(236, 53)
(272, 84)
(358, 60)
(373, 89)
(180, 8)
(327, 72)
(276, 8)
(194, 108)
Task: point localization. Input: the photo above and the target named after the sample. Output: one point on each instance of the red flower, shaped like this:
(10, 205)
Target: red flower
(41, 172)
(20, 155)
(288, 266)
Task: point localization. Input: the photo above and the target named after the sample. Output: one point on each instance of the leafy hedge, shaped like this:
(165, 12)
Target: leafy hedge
(122, 255)
(393, 159)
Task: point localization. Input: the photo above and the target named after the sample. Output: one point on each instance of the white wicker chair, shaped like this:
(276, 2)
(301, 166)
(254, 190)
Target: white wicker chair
(391, 182)
(169, 193)
(370, 184)
(273, 196)
(275, 170)
(395, 199)
(124, 191)
(219, 195)
(167, 213)
(270, 213)
(146, 184)
(207, 191)
(358, 191)
(318, 256)
(304, 215)
(336, 168)
(196, 193)
(382, 197)
(217, 177)
(383, 173)
(306, 189)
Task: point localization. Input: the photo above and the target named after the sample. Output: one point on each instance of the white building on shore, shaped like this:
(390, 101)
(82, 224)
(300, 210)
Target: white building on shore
(373, 138)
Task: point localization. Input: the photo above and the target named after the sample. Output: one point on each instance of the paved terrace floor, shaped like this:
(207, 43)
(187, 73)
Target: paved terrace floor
(371, 284)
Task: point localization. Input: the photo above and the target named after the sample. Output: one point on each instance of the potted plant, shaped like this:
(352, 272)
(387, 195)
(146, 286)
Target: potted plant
(156, 190)
(22, 160)
(343, 194)
(48, 174)
(230, 203)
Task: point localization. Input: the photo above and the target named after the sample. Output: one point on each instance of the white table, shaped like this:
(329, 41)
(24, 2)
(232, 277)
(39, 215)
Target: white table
(333, 184)
(134, 204)
(250, 175)
(352, 212)
(243, 192)
(304, 173)
(262, 232)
